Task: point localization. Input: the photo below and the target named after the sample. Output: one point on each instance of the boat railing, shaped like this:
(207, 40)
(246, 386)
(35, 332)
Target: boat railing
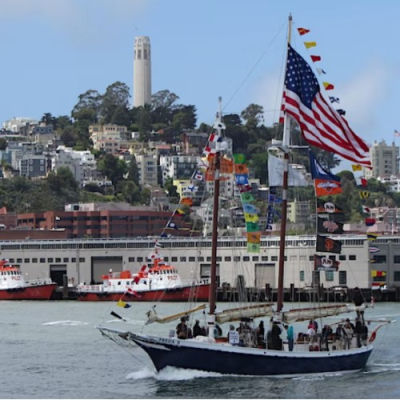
(39, 281)
(91, 288)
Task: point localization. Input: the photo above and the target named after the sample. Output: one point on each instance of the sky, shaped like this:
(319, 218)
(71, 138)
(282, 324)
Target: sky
(55, 50)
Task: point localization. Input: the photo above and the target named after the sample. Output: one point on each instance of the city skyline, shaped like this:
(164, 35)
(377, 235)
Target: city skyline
(59, 50)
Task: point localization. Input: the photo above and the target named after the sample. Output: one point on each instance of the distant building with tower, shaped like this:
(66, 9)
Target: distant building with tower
(142, 71)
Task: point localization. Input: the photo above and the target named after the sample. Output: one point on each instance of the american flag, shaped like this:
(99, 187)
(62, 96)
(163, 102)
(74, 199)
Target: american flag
(321, 125)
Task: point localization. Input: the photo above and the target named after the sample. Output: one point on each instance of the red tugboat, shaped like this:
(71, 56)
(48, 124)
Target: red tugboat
(14, 287)
(157, 281)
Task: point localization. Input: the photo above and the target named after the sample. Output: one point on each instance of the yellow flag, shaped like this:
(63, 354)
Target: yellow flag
(254, 237)
(364, 194)
(250, 217)
(310, 44)
(356, 167)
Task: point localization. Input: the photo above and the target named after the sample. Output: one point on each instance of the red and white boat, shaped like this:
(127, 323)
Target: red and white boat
(14, 287)
(157, 281)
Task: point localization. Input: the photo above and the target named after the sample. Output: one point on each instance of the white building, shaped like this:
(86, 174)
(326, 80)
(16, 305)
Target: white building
(15, 124)
(384, 160)
(142, 71)
(82, 164)
(147, 169)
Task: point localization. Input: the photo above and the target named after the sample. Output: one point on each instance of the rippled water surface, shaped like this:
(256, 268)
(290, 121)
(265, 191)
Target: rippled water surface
(53, 350)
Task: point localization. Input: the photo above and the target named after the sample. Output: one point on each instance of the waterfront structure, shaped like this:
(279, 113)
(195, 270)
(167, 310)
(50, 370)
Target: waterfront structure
(142, 71)
(384, 160)
(101, 220)
(86, 260)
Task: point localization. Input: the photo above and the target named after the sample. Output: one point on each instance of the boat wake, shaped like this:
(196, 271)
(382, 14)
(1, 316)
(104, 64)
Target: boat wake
(378, 368)
(172, 374)
(66, 323)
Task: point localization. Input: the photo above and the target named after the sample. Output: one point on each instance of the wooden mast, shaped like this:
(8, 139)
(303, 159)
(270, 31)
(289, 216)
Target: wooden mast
(213, 272)
(282, 242)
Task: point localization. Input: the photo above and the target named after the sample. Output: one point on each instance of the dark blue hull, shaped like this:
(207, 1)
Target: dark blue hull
(247, 361)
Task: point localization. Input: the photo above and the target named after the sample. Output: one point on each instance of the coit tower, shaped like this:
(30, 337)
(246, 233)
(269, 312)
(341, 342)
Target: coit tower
(142, 71)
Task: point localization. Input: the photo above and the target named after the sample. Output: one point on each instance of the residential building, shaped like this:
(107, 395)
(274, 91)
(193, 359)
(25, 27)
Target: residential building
(107, 137)
(147, 169)
(384, 160)
(15, 124)
(33, 166)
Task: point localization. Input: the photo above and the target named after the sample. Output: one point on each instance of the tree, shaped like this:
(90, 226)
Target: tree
(3, 144)
(133, 171)
(88, 106)
(253, 114)
(184, 117)
(171, 190)
(115, 97)
(112, 167)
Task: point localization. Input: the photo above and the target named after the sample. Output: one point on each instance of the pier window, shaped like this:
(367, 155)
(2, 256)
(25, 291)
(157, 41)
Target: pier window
(131, 259)
(342, 277)
(264, 258)
(396, 276)
(65, 259)
(34, 260)
(50, 260)
(192, 259)
(183, 259)
(166, 259)
(396, 259)
(228, 259)
(311, 258)
(329, 276)
(236, 258)
(42, 260)
(255, 258)
(246, 258)
(219, 259)
(208, 259)
(174, 259)
(19, 260)
(58, 260)
(73, 259)
(82, 259)
(12, 260)
(342, 257)
(301, 276)
(274, 258)
(201, 259)
(352, 257)
(379, 259)
(140, 259)
(27, 260)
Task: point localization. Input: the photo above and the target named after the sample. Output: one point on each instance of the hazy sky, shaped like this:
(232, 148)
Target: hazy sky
(54, 50)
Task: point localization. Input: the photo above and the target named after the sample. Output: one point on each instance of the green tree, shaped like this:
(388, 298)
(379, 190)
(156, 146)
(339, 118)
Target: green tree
(133, 171)
(3, 144)
(115, 98)
(112, 167)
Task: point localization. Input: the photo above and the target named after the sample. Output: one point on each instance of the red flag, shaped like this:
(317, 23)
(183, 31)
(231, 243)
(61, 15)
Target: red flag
(316, 58)
(303, 31)
(361, 182)
(320, 124)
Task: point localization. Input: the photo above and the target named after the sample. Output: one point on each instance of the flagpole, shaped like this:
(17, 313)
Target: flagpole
(285, 149)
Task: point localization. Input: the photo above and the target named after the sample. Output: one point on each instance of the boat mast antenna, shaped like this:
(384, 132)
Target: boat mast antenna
(218, 127)
(282, 243)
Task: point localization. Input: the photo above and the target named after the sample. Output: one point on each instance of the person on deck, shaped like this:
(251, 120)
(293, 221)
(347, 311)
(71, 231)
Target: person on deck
(182, 329)
(260, 333)
(348, 335)
(358, 331)
(290, 336)
(197, 329)
(275, 336)
(325, 333)
(339, 337)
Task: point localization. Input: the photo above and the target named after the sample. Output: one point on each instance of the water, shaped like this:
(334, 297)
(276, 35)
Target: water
(52, 350)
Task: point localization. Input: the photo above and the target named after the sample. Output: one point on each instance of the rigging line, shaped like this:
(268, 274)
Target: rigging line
(254, 67)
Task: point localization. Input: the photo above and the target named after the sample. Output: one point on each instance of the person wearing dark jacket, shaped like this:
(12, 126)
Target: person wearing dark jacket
(275, 336)
(197, 329)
